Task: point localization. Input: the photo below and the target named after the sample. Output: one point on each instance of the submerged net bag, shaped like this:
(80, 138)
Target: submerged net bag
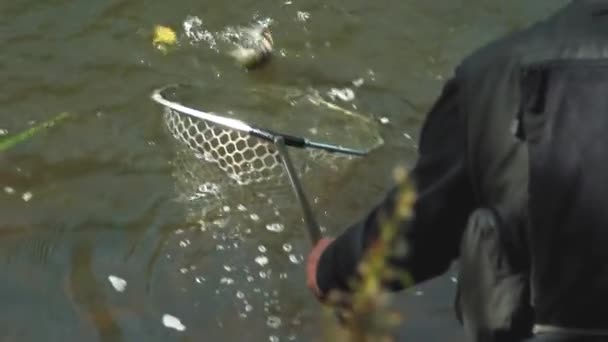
(248, 141)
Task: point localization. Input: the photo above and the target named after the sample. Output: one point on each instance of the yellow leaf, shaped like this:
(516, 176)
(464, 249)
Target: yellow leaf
(164, 36)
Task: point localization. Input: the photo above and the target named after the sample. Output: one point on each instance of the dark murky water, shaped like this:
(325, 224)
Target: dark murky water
(108, 198)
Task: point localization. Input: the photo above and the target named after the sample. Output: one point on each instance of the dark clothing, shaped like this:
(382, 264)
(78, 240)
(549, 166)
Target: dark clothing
(539, 95)
(566, 338)
(493, 299)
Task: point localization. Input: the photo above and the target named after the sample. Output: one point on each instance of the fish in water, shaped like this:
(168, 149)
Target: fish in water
(254, 46)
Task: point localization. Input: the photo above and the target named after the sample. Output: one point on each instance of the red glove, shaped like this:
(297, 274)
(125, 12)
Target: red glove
(312, 265)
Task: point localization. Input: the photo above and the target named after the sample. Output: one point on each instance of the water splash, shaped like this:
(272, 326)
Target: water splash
(173, 322)
(295, 259)
(196, 32)
(27, 196)
(261, 260)
(273, 322)
(254, 217)
(345, 94)
(275, 227)
(226, 281)
(302, 16)
(118, 283)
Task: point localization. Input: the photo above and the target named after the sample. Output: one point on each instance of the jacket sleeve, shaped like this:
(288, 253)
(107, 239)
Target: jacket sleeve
(444, 200)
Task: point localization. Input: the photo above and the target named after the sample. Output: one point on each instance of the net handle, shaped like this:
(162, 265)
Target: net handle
(314, 232)
(289, 140)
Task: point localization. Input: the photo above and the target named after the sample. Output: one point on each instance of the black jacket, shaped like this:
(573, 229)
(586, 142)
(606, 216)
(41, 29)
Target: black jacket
(521, 98)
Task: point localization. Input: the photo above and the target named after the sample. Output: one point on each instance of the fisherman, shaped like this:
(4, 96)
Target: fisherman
(510, 181)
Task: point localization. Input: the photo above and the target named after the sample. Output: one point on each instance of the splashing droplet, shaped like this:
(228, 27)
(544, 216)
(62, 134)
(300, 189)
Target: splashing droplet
(254, 217)
(173, 322)
(287, 247)
(119, 284)
(262, 274)
(294, 259)
(227, 281)
(302, 16)
(248, 308)
(275, 227)
(273, 322)
(27, 196)
(261, 260)
(262, 249)
(240, 295)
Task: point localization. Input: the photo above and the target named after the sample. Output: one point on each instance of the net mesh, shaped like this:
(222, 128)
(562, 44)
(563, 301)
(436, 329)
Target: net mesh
(245, 159)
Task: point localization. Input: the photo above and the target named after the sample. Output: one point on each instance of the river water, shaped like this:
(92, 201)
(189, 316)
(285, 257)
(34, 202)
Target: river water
(105, 234)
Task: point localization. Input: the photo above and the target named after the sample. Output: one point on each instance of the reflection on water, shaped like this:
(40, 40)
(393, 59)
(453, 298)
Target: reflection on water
(112, 231)
(85, 294)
